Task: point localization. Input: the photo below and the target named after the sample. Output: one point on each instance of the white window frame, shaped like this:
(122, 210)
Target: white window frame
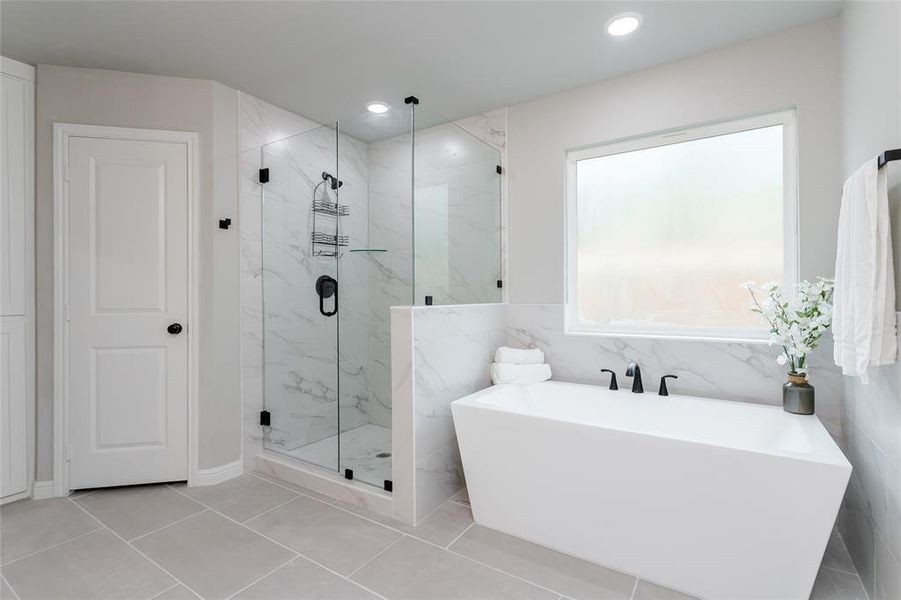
(786, 118)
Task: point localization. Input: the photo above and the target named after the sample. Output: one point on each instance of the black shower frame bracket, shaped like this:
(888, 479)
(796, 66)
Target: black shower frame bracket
(225, 223)
(411, 100)
(264, 175)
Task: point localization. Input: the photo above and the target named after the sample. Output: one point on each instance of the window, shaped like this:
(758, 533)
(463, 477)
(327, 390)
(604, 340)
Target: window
(663, 230)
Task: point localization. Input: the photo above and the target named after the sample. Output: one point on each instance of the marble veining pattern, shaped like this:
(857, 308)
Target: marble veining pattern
(731, 371)
(298, 371)
(453, 348)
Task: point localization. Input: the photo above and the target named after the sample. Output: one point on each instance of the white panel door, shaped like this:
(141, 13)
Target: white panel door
(13, 449)
(128, 282)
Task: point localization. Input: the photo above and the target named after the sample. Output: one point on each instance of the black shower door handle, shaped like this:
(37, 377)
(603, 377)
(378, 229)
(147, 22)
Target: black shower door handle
(326, 287)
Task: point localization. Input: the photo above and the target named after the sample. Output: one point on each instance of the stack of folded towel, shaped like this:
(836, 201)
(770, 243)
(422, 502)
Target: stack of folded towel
(514, 365)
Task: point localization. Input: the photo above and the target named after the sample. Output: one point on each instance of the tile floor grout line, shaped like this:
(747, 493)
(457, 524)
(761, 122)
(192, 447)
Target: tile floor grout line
(274, 508)
(837, 570)
(138, 550)
(288, 548)
(10, 586)
(499, 570)
(171, 587)
(378, 554)
(403, 533)
(462, 533)
(81, 535)
(439, 546)
(268, 479)
(259, 579)
(158, 529)
(841, 538)
(634, 589)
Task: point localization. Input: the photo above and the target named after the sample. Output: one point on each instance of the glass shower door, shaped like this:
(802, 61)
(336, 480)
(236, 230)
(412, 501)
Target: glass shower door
(374, 159)
(301, 245)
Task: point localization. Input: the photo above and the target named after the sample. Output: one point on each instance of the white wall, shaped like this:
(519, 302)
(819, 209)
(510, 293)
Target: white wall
(98, 97)
(796, 68)
(871, 117)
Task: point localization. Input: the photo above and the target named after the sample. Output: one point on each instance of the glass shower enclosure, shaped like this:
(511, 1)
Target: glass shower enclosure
(396, 209)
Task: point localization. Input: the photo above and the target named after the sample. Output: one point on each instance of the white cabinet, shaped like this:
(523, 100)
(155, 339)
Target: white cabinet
(16, 278)
(13, 418)
(16, 131)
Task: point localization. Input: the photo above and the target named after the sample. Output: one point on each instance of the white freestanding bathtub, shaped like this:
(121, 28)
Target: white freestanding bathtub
(722, 500)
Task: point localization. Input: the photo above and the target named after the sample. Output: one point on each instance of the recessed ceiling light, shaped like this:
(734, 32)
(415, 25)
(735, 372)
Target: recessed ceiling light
(623, 24)
(377, 107)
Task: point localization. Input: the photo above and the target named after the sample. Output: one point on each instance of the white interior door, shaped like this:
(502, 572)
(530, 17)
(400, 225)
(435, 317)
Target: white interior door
(127, 287)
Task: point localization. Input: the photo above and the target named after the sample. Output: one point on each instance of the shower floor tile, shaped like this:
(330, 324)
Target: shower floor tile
(358, 447)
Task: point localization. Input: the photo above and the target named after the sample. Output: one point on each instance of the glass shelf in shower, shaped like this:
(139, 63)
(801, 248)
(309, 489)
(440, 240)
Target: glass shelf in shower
(368, 250)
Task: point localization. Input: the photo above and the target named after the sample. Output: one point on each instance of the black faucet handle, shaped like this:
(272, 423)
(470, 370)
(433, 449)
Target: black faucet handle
(613, 385)
(663, 391)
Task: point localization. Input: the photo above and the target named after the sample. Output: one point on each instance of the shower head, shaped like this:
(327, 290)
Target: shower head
(333, 181)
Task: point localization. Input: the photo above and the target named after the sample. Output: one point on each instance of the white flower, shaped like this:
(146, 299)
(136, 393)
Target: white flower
(796, 322)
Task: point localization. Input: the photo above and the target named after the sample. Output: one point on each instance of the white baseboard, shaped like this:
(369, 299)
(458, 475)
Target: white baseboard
(218, 474)
(14, 497)
(41, 490)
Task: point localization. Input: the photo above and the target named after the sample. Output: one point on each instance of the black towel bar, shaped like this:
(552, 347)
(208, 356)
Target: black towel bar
(889, 156)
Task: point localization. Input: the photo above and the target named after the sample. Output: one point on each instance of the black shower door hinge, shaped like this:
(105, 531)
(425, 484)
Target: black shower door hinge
(500, 283)
(264, 175)
(265, 419)
(389, 485)
(348, 473)
(499, 170)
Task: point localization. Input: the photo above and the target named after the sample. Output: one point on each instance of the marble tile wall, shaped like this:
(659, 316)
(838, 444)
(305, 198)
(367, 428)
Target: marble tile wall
(473, 228)
(870, 520)
(441, 353)
(731, 371)
(297, 371)
(259, 123)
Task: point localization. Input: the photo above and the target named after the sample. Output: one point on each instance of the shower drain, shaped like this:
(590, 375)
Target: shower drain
(383, 455)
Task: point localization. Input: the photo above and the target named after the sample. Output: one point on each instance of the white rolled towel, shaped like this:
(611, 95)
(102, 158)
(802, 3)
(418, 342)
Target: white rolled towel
(508, 373)
(519, 356)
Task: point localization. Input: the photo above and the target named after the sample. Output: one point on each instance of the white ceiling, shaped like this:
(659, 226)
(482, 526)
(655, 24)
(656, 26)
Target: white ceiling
(325, 60)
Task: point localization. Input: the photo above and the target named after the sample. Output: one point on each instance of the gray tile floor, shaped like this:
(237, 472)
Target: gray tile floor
(258, 538)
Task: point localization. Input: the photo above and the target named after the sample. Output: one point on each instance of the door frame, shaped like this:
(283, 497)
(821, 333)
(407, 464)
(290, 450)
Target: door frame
(62, 132)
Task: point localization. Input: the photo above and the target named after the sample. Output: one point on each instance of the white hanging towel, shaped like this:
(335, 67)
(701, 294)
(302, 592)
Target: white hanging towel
(509, 373)
(863, 321)
(519, 356)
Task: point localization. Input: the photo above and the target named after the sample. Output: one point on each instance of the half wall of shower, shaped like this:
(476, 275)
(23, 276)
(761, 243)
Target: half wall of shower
(396, 209)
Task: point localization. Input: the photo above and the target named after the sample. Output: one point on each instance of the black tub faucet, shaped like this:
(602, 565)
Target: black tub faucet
(634, 371)
(613, 385)
(663, 391)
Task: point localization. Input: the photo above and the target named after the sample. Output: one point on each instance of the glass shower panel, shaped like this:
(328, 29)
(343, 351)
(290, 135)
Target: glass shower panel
(375, 273)
(300, 245)
(457, 216)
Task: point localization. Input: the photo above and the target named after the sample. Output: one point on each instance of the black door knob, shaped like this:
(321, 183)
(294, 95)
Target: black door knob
(174, 329)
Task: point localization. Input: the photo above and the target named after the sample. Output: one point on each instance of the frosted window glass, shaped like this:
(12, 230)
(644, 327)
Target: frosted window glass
(667, 234)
